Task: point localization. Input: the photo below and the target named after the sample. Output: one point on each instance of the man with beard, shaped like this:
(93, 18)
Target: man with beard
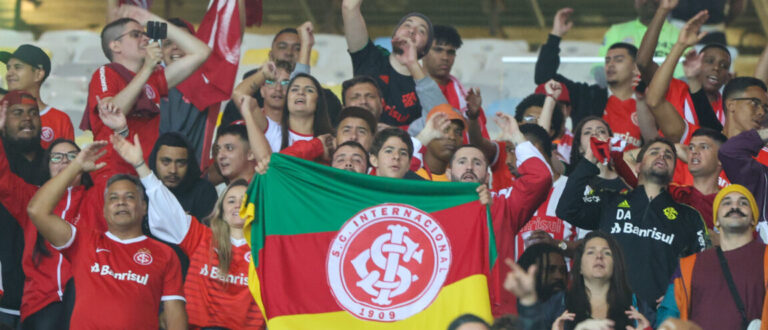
(653, 230)
(21, 140)
(173, 161)
(700, 290)
(396, 72)
(28, 67)
(738, 158)
(509, 211)
(551, 270)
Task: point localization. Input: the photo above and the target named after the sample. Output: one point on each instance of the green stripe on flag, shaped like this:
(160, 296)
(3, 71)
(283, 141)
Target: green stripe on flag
(296, 190)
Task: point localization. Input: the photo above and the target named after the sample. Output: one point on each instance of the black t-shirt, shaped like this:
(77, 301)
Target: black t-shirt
(401, 103)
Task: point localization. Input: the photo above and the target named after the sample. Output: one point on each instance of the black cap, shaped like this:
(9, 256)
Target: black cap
(31, 55)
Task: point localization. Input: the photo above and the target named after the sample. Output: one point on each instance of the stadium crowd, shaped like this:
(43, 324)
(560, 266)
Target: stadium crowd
(647, 212)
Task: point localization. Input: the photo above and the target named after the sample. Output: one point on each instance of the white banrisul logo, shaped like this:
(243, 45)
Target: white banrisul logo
(388, 262)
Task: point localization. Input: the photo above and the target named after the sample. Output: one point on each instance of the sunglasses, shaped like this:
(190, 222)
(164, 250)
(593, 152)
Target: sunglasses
(273, 84)
(58, 157)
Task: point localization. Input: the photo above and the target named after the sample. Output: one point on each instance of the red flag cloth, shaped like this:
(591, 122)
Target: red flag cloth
(214, 80)
(138, 3)
(600, 149)
(253, 12)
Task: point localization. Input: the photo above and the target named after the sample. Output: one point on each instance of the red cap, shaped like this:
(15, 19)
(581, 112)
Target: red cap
(564, 95)
(18, 97)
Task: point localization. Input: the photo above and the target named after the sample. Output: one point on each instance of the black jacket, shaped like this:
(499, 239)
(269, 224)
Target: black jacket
(587, 100)
(653, 234)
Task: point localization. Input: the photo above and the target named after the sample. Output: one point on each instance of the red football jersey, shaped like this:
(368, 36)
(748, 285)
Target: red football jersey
(511, 208)
(55, 124)
(501, 176)
(105, 82)
(621, 116)
(545, 219)
(209, 292)
(680, 97)
(120, 283)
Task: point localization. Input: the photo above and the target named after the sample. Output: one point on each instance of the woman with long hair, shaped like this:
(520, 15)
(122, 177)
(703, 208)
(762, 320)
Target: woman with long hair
(593, 126)
(217, 279)
(599, 293)
(47, 299)
(305, 114)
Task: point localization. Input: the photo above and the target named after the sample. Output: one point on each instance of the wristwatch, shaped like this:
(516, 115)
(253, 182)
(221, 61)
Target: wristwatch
(562, 245)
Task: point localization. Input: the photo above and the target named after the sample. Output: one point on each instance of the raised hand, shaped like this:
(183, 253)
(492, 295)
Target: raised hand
(405, 50)
(306, 34)
(154, 56)
(692, 64)
(483, 194)
(111, 116)
(642, 322)
(88, 156)
(667, 5)
(562, 23)
(559, 323)
(329, 145)
(131, 153)
(521, 283)
(553, 88)
(689, 34)
(262, 165)
(474, 103)
(435, 128)
(510, 131)
(247, 105)
(269, 70)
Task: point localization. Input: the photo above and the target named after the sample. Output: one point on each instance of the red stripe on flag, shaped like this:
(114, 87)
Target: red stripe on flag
(292, 269)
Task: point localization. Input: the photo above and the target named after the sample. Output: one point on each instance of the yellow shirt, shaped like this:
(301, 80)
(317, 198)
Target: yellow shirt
(422, 172)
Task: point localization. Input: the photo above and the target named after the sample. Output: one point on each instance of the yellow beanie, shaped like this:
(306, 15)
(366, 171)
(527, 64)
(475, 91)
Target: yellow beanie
(740, 189)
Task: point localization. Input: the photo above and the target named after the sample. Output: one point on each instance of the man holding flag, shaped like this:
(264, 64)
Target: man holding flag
(512, 207)
(388, 254)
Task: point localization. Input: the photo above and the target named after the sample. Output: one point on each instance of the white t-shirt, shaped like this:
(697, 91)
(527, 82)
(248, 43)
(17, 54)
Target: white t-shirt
(274, 134)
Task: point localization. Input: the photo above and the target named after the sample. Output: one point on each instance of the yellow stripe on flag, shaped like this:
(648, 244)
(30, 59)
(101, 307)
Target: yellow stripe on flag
(253, 285)
(452, 301)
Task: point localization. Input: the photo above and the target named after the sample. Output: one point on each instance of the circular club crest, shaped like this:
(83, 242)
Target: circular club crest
(150, 91)
(388, 262)
(46, 134)
(142, 257)
(247, 256)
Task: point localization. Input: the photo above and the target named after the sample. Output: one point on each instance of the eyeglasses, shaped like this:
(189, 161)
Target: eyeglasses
(58, 157)
(135, 34)
(273, 84)
(755, 102)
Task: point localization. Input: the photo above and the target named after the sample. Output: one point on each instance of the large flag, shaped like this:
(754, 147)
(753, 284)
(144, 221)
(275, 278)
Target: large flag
(338, 250)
